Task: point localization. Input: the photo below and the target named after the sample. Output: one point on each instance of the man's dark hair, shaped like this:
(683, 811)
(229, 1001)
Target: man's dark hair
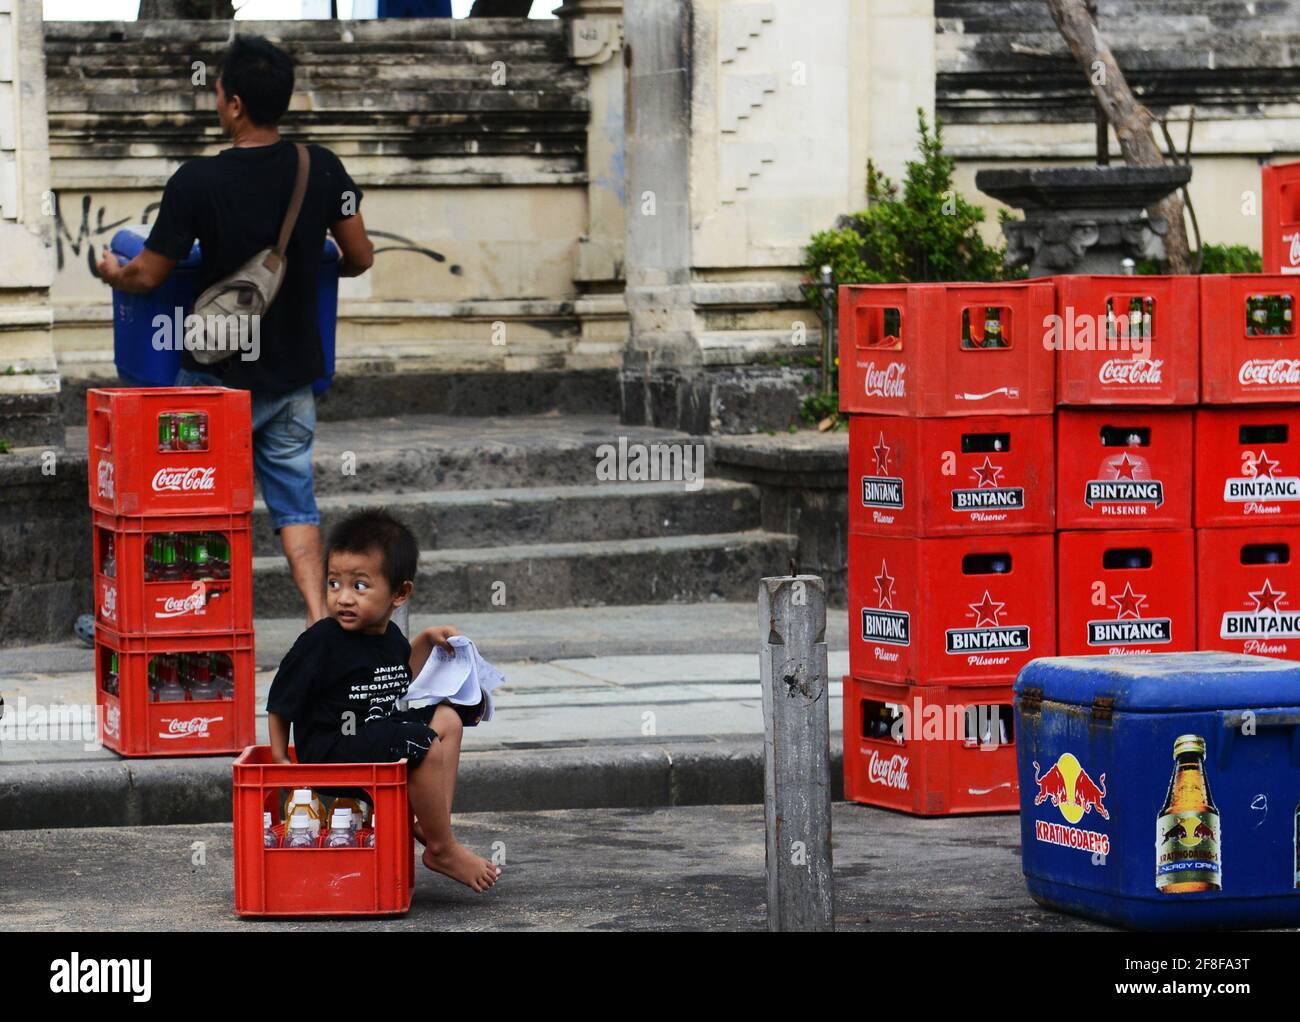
(365, 531)
(260, 74)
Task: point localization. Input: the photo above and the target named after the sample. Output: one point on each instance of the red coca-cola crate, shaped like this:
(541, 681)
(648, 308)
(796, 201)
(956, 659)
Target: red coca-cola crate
(1247, 466)
(134, 725)
(986, 474)
(1124, 468)
(1250, 350)
(1250, 601)
(1281, 211)
(1127, 340)
(128, 473)
(964, 611)
(946, 349)
(930, 750)
(1130, 591)
(220, 600)
(321, 881)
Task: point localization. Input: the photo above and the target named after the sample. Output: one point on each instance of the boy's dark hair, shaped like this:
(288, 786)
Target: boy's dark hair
(260, 74)
(378, 530)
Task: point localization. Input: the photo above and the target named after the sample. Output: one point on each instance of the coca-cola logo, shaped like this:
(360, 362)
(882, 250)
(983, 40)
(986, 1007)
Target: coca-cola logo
(104, 476)
(109, 609)
(886, 382)
(178, 606)
(1131, 372)
(1269, 372)
(179, 480)
(890, 772)
(1293, 253)
(195, 727)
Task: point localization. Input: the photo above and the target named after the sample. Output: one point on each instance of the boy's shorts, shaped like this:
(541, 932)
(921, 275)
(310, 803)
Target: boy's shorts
(402, 734)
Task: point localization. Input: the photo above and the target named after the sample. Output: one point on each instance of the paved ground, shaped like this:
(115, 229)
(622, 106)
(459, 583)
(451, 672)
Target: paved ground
(694, 868)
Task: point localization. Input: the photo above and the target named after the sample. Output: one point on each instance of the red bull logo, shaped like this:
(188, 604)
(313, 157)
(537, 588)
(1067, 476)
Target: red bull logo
(1070, 789)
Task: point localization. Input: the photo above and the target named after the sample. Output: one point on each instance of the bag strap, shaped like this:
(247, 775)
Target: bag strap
(295, 207)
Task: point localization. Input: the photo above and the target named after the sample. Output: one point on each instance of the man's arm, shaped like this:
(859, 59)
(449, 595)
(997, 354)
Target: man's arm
(279, 727)
(140, 276)
(355, 244)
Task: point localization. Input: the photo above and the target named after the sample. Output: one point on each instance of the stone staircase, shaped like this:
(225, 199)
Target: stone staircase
(510, 515)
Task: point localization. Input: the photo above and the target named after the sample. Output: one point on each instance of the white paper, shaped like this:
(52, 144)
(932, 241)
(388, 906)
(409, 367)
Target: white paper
(461, 677)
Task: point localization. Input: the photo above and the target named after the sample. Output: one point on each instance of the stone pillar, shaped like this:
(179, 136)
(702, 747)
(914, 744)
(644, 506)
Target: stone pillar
(29, 381)
(595, 31)
(749, 127)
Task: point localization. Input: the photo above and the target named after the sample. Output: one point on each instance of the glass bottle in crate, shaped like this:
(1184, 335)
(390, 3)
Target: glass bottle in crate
(202, 686)
(170, 689)
(200, 556)
(169, 565)
(166, 432)
(109, 565)
(111, 684)
(223, 675)
(192, 431)
(219, 556)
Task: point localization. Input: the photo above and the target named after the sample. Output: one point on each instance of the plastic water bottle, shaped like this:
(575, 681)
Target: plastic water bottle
(300, 832)
(269, 840)
(369, 840)
(340, 835)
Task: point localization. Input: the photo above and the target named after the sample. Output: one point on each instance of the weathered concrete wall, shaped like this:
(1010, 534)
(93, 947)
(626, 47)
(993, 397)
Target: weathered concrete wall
(468, 137)
(1011, 94)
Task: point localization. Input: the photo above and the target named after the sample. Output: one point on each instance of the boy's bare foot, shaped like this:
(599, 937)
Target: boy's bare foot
(459, 863)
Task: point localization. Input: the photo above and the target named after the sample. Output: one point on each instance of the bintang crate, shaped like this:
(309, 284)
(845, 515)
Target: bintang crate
(945, 477)
(1126, 592)
(170, 451)
(930, 750)
(321, 881)
(946, 349)
(1247, 466)
(963, 611)
(1124, 468)
(173, 574)
(1248, 593)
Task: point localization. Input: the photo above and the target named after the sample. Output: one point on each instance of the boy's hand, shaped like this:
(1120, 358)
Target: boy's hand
(440, 635)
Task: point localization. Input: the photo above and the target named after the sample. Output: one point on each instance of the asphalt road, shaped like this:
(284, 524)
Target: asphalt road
(688, 868)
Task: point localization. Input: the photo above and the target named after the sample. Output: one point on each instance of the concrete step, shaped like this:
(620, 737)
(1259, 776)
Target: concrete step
(467, 519)
(664, 569)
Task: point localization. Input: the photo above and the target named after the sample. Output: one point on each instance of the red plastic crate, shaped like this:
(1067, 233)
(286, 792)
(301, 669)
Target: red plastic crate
(1281, 211)
(1131, 591)
(1155, 364)
(930, 750)
(945, 477)
(924, 349)
(1105, 482)
(1240, 363)
(321, 881)
(1250, 602)
(125, 602)
(136, 726)
(1247, 466)
(130, 476)
(946, 612)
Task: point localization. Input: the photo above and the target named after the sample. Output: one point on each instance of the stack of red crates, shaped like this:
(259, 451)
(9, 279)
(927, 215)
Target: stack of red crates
(1247, 476)
(1128, 377)
(952, 510)
(171, 496)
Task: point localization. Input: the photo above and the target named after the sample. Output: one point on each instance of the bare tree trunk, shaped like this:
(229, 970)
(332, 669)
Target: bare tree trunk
(186, 10)
(1130, 119)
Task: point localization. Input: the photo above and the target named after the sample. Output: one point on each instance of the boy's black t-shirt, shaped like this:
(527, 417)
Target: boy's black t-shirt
(234, 204)
(331, 673)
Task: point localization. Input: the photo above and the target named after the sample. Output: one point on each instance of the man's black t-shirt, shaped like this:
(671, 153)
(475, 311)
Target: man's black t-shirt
(234, 204)
(334, 681)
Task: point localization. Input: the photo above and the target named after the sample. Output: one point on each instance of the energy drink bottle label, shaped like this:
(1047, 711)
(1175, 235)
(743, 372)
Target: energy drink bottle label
(1187, 849)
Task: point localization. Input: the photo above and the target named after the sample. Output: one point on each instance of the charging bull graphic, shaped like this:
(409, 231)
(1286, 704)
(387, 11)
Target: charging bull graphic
(1071, 789)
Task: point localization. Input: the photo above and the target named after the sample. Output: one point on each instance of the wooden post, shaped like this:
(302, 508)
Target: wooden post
(797, 760)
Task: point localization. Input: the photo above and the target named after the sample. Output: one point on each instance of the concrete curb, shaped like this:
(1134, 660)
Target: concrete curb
(134, 793)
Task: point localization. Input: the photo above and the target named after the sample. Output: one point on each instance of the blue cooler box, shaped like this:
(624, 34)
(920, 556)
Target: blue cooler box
(140, 365)
(1114, 826)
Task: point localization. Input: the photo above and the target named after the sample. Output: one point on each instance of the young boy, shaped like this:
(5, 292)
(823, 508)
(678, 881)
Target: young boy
(339, 684)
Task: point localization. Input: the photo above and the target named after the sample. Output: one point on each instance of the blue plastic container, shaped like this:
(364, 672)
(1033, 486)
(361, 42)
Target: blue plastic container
(133, 315)
(1095, 740)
